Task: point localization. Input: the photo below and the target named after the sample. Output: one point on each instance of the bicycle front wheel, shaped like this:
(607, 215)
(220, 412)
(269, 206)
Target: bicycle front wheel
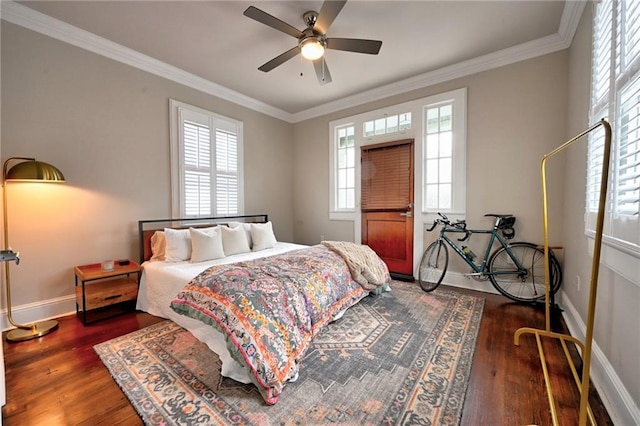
(518, 285)
(433, 266)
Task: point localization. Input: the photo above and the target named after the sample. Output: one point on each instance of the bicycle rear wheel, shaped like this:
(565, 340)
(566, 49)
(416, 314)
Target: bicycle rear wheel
(529, 287)
(555, 271)
(433, 266)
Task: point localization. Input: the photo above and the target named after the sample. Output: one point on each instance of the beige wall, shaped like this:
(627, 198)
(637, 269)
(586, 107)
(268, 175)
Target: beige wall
(516, 114)
(617, 319)
(106, 126)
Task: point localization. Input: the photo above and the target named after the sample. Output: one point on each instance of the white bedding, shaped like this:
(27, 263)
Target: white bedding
(162, 281)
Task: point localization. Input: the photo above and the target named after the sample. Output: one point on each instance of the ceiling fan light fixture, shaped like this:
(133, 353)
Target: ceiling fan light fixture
(312, 49)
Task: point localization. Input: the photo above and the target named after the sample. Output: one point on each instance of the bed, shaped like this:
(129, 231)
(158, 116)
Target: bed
(253, 300)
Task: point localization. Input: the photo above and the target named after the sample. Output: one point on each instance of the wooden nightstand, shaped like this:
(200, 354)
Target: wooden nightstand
(106, 293)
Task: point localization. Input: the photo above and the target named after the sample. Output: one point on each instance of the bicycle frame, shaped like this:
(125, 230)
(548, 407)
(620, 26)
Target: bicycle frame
(482, 267)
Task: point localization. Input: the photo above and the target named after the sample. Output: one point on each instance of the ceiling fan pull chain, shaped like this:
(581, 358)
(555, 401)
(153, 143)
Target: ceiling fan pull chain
(323, 65)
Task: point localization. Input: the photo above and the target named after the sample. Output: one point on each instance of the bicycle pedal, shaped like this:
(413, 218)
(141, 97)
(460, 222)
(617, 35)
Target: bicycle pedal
(473, 274)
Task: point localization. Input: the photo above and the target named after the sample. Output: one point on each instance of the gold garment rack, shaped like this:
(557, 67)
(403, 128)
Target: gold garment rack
(585, 348)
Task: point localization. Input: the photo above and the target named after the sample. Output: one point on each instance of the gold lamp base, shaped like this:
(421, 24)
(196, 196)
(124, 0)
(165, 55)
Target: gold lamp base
(38, 329)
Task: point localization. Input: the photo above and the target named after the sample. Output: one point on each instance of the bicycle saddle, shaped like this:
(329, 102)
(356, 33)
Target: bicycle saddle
(498, 215)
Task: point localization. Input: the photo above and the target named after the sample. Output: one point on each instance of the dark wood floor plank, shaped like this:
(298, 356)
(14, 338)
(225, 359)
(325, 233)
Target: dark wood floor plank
(59, 380)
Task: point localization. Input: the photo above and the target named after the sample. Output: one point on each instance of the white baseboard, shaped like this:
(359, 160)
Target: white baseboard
(622, 409)
(456, 279)
(48, 309)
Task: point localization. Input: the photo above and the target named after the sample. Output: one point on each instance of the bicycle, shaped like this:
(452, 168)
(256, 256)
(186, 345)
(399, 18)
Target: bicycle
(516, 270)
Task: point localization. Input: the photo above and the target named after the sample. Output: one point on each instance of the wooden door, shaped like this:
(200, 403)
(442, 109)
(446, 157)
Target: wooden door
(387, 204)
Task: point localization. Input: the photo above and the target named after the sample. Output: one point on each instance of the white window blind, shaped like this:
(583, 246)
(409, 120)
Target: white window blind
(226, 173)
(206, 151)
(616, 97)
(197, 169)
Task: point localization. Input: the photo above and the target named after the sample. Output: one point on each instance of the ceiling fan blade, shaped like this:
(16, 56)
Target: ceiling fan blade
(280, 59)
(322, 71)
(327, 15)
(264, 18)
(357, 45)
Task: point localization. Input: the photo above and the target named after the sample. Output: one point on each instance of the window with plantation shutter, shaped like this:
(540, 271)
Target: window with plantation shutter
(387, 174)
(615, 96)
(197, 169)
(206, 159)
(226, 173)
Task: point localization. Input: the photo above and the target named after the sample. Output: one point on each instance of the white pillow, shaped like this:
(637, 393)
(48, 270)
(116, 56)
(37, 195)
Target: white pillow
(178, 245)
(206, 244)
(234, 240)
(262, 236)
(246, 227)
(158, 246)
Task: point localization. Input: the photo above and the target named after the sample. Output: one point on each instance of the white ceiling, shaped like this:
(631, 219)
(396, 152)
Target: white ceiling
(423, 42)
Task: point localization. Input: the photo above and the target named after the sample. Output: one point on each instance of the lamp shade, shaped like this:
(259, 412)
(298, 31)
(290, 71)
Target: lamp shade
(34, 171)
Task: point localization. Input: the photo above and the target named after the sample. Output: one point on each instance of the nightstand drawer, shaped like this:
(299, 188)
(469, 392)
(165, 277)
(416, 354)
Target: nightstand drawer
(108, 292)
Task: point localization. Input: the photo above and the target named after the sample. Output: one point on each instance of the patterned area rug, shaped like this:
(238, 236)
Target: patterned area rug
(400, 358)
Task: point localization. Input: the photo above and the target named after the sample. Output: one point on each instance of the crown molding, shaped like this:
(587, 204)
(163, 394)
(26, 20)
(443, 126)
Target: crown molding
(54, 28)
(570, 20)
(44, 24)
(561, 40)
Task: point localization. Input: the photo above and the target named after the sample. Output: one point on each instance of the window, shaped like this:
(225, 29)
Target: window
(206, 160)
(615, 95)
(391, 165)
(346, 168)
(444, 154)
(438, 158)
(440, 154)
(388, 124)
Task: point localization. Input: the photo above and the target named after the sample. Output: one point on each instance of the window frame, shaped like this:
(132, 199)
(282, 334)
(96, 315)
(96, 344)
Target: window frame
(457, 100)
(177, 111)
(350, 151)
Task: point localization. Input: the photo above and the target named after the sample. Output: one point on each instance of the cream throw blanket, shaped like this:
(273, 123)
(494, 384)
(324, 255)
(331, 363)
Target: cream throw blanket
(367, 269)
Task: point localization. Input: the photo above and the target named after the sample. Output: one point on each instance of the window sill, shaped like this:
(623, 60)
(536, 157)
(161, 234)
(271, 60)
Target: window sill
(619, 256)
(342, 215)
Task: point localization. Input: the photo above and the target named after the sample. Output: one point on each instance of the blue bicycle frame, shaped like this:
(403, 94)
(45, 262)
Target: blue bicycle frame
(482, 268)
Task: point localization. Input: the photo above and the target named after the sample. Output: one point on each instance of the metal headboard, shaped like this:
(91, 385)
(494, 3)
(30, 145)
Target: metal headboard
(146, 228)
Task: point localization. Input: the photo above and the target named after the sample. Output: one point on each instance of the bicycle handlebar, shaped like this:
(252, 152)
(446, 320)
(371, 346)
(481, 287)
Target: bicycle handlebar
(459, 224)
(435, 223)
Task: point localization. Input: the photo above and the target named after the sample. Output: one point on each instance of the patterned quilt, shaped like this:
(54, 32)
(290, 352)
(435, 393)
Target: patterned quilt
(271, 308)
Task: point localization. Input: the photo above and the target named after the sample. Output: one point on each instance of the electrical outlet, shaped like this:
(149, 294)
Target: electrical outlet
(578, 282)
(321, 237)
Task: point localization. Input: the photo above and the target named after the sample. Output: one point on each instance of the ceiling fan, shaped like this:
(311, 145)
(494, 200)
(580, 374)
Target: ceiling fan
(313, 40)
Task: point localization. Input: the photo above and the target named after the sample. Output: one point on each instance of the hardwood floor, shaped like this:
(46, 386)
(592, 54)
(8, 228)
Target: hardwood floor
(59, 380)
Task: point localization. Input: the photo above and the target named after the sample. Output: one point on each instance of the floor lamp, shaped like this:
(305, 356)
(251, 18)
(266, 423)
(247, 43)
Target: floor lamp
(28, 170)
